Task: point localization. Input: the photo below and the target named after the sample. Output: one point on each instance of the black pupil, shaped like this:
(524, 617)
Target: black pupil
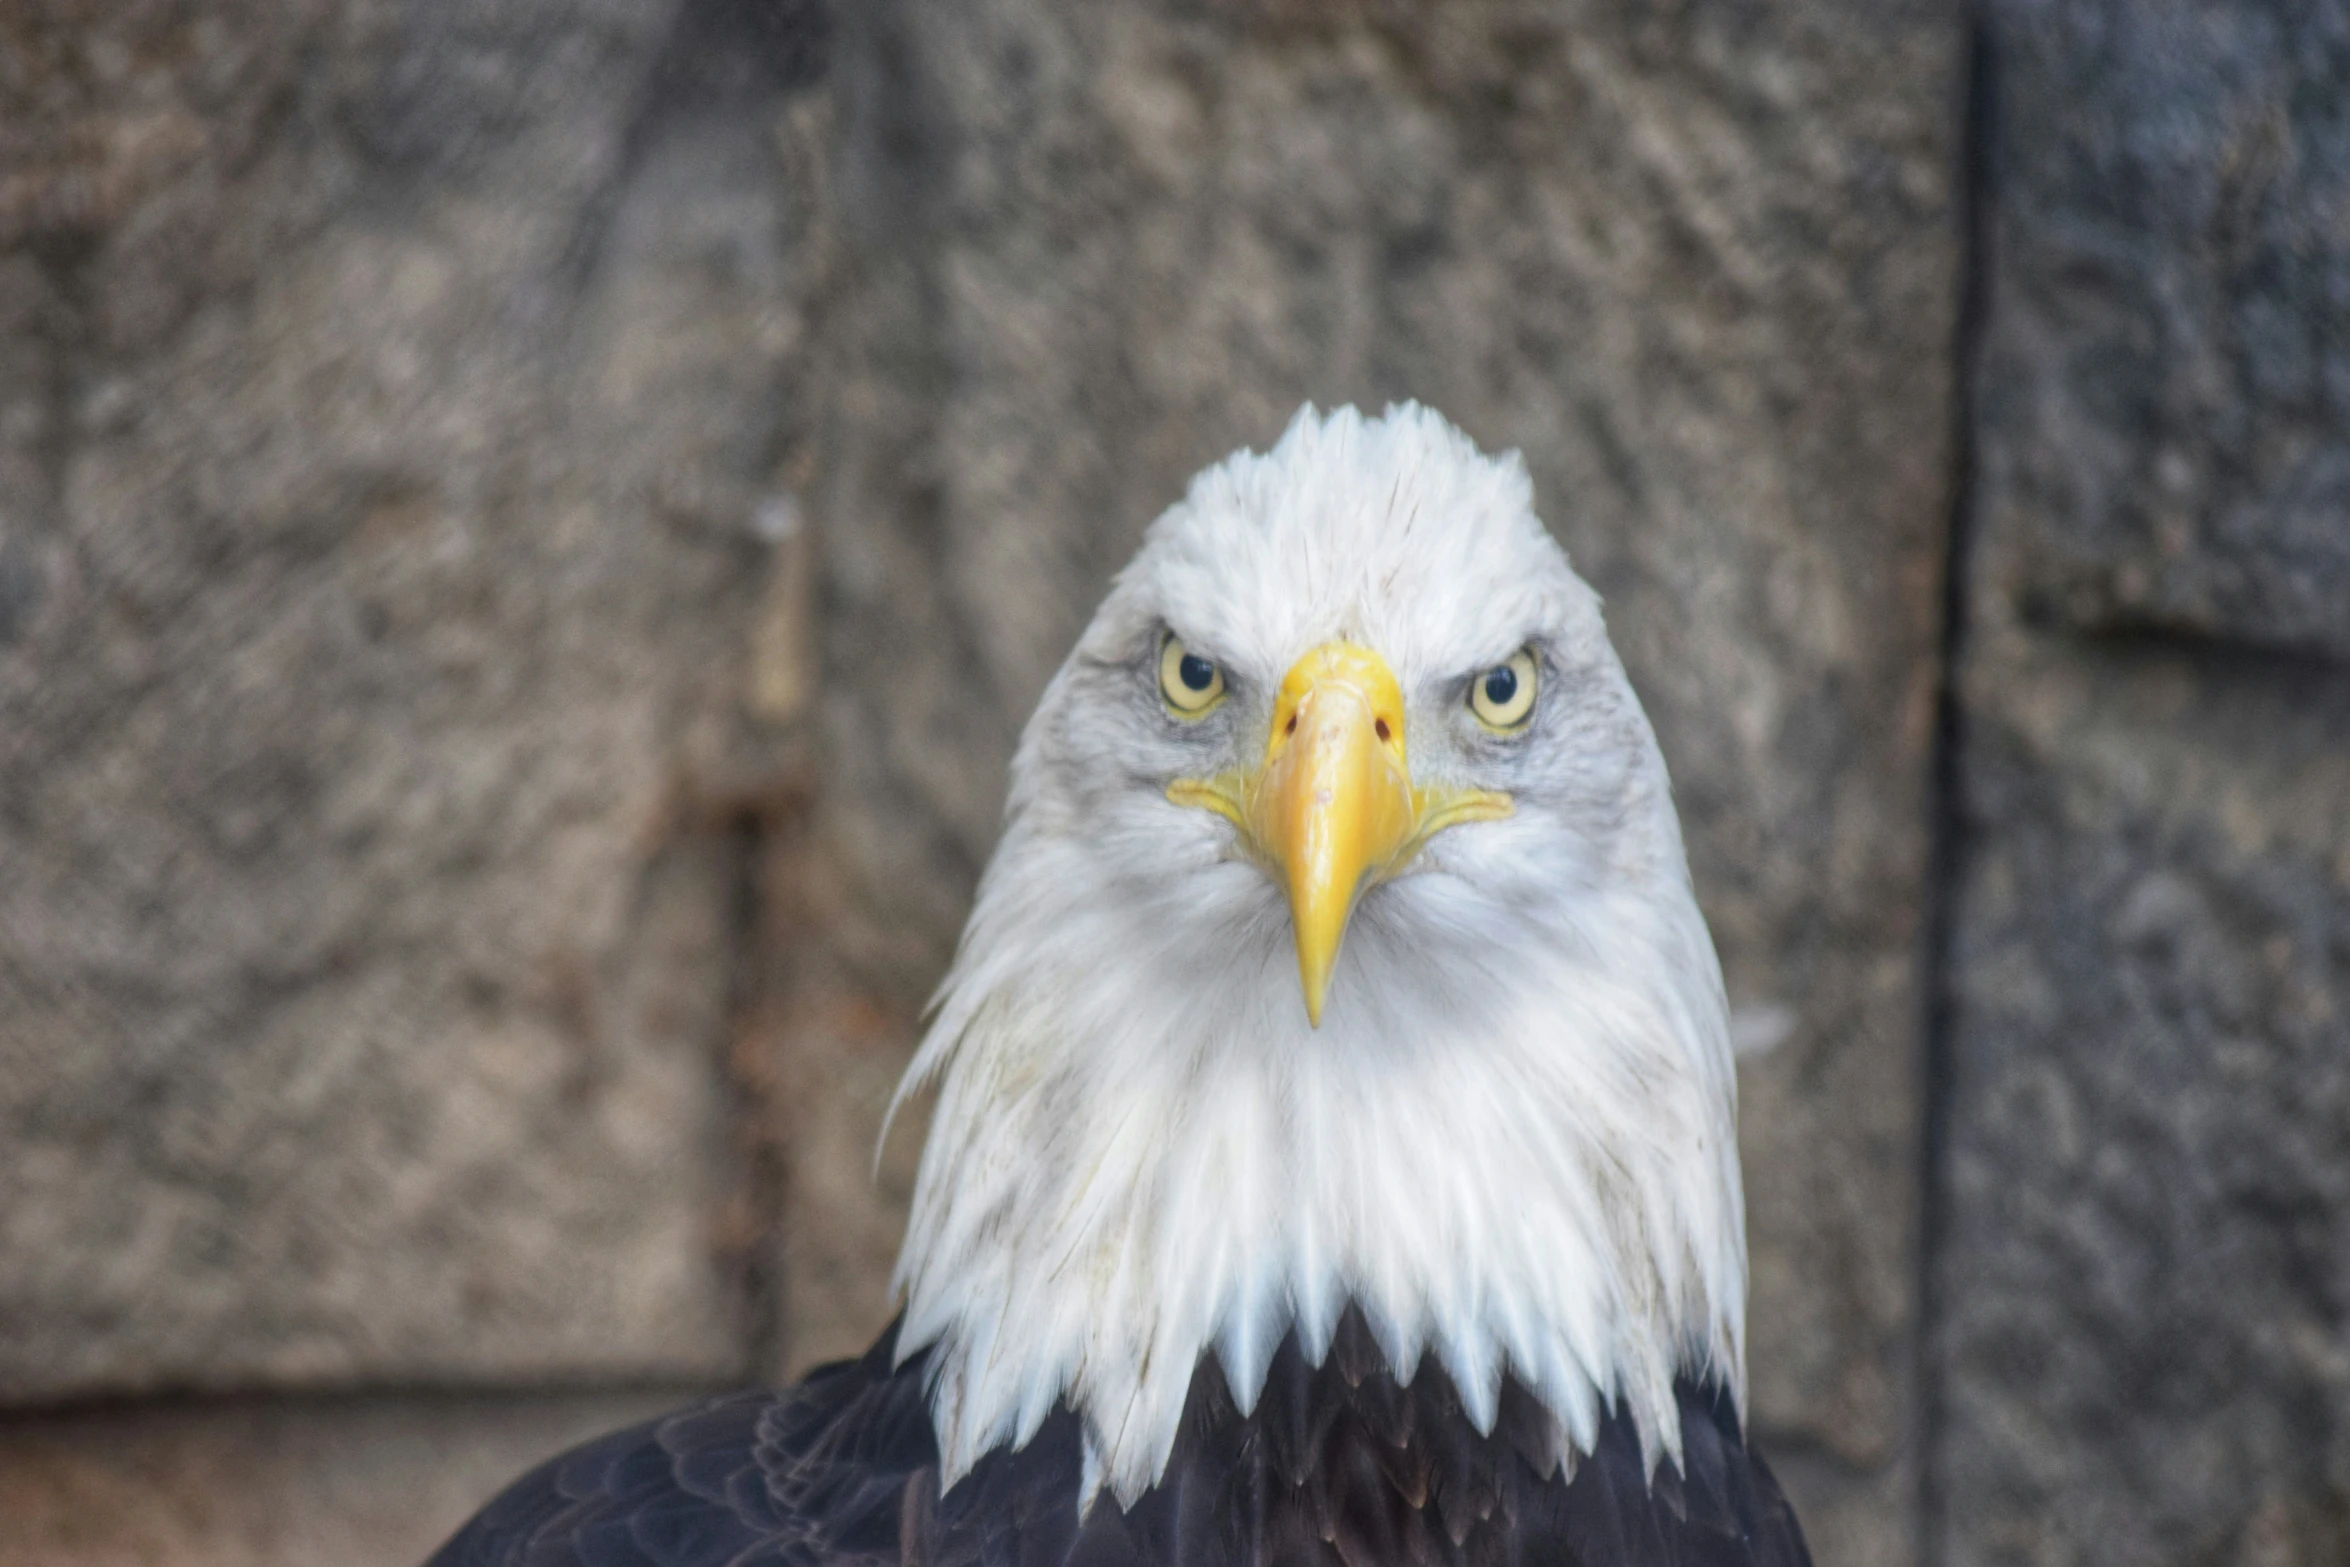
(1501, 685)
(1195, 672)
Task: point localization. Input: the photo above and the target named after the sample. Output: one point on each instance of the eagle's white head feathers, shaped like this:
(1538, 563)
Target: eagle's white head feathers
(1511, 1138)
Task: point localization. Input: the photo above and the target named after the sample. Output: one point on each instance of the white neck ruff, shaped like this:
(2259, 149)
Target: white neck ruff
(1512, 1144)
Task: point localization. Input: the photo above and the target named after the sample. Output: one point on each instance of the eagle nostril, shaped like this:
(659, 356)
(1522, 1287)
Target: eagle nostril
(1381, 726)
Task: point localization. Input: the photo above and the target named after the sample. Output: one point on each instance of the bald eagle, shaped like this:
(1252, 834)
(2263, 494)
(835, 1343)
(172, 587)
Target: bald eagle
(1334, 1156)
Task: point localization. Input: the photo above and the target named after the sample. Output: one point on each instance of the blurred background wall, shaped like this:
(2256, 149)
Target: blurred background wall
(527, 531)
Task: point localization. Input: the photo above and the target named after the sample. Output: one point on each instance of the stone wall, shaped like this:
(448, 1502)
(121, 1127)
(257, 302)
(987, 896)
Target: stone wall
(527, 531)
(391, 397)
(2141, 1287)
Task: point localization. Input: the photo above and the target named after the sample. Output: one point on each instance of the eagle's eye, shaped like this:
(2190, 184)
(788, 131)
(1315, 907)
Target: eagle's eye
(1503, 696)
(1191, 684)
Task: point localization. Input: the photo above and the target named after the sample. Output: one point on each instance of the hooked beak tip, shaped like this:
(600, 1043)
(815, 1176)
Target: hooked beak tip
(1316, 988)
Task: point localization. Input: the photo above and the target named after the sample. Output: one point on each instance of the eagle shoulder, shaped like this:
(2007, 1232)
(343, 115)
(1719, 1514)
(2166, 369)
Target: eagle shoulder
(812, 1475)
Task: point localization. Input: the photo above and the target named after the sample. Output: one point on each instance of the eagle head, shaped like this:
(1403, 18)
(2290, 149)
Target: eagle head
(1339, 951)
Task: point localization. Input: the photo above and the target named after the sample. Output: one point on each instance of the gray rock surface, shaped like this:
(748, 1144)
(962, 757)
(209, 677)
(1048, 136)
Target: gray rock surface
(2141, 1292)
(1697, 261)
(2169, 370)
(2144, 1287)
(387, 394)
(368, 1481)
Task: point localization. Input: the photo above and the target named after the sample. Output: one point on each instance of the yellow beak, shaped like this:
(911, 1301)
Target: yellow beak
(1331, 810)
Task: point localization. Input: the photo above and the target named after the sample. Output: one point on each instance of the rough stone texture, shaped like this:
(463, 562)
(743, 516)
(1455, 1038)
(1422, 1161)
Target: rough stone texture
(358, 1482)
(2141, 1294)
(1698, 261)
(387, 395)
(2144, 1286)
(2172, 344)
(845, 1211)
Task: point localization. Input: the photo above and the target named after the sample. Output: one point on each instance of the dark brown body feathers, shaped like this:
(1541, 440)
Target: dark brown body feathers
(1337, 1466)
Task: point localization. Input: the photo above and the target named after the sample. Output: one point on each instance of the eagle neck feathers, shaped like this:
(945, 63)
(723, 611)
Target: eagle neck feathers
(1141, 1160)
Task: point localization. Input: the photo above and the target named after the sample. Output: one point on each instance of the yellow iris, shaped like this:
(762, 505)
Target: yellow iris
(1190, 684)
(1503, 696)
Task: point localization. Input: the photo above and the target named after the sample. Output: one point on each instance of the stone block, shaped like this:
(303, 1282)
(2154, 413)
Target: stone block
(2139, 1292)
(374, 1481)
(391, 392)
(2144, 1281)
(1698, 263)
(2166, 392)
